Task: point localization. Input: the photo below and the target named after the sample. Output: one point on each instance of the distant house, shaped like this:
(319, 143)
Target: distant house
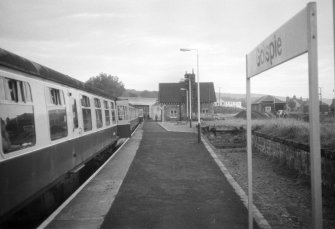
(268, 104)
(149, 105)
(324, 108)
(172, 97)
(228, 103)
(332, 106)
(298, 104)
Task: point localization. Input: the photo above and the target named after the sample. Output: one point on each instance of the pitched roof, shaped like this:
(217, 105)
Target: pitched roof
(268, 99)
(207, 93)
(171, 93)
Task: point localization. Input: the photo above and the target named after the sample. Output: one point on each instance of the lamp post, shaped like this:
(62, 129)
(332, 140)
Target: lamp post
(190, 96)
(184, 89)
(219, 97)
(187, 50)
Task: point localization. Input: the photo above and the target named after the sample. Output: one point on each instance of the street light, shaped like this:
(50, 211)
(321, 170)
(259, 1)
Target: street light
(184, 89)
(187, 50)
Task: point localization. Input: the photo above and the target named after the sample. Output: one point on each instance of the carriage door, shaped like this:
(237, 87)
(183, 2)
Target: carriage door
(123, 122)
(74, 114)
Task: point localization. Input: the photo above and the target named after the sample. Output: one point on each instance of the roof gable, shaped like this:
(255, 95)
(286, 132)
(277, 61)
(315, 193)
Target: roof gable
(268, 99)
(172, 93)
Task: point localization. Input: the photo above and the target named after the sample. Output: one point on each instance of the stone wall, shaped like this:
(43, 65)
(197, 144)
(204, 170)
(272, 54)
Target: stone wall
(296, 156)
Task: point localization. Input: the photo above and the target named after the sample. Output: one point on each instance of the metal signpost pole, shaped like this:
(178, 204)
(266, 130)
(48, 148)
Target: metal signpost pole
(334, 57)
(294, 38)
(199, 138)
(186, 105)
(314, 119)
(190, 89)
(249, 152)
(187, 50)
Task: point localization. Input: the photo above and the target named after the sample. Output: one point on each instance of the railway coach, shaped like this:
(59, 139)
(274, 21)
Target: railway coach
(51, 125)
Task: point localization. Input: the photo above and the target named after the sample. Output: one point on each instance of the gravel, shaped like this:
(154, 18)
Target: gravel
(282, 197)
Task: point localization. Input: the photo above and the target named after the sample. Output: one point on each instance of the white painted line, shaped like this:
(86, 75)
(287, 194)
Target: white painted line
(163, 127)
(68, 200)
(175, 130)
(136, 129)
(259, 218)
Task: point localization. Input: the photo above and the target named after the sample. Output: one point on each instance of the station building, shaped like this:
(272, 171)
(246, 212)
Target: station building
(173, 99)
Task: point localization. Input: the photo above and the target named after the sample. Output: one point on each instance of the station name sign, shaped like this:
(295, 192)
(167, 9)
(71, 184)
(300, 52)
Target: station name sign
(289, 41)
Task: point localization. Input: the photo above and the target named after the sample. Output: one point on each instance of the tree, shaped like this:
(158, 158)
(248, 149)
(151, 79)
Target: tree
(291, 104)
(110, 84)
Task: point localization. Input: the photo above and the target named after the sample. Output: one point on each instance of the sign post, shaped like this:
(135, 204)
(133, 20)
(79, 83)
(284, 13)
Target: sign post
(294, 38)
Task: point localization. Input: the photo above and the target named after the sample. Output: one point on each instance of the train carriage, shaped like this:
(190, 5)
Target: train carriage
(51, 124)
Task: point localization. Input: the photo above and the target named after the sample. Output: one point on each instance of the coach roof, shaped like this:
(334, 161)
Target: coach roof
(16, 62)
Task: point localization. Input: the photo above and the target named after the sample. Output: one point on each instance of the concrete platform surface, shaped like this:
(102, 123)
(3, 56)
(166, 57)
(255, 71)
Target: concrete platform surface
(182, 126)
(173, 182)
(89, 208)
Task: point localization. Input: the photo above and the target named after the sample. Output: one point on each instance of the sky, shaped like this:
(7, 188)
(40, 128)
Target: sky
(139, 41)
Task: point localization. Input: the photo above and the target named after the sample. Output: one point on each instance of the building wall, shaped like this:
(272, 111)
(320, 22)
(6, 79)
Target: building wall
(180, 111)
(267, 107)
(296, 156)
(171, 112)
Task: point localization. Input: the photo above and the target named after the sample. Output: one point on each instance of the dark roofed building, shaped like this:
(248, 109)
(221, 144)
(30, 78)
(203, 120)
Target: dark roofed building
(170, 93)
(207, 93)
(173, 97)
(268, 104)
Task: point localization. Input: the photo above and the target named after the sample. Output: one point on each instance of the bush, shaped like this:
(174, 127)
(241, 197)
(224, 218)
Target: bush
(290, 129)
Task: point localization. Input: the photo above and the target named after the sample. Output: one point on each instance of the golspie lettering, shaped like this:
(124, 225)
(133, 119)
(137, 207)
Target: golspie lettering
(268, 52)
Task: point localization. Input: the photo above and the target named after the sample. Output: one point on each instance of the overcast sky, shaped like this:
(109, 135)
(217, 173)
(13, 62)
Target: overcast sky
(139, 40)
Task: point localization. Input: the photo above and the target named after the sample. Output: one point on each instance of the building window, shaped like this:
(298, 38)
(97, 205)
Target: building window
(268, 109)
(57, 114)
(107, 113)
(173, 113)
(98, 112)
(86, 109)
(16, 115)
(204, 111)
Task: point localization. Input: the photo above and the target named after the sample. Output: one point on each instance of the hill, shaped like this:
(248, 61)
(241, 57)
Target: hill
(241, 97)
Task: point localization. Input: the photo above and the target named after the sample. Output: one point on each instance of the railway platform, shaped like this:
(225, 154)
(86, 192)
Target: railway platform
(159, 179)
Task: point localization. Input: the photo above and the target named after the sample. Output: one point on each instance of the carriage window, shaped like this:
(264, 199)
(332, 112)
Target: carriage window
(98, 112)
(113, 113)
(75, 114)
(107, 114)
(57, 114)
(16, 115)
(86, 109)
(120, 111)
(55, 97)
(126, 113)
(15, 90)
